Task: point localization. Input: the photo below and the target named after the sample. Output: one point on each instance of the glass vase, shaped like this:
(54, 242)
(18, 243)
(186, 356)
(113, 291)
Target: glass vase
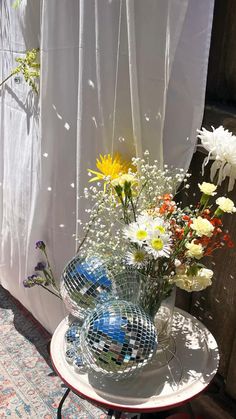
(154, 294)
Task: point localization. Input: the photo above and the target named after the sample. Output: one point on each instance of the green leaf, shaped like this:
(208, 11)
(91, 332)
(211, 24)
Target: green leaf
(193, 270)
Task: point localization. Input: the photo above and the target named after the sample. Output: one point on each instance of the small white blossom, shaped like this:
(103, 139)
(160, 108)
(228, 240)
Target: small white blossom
(177, 263)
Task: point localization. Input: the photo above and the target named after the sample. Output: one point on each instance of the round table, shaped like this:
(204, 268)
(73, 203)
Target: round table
(192, 363)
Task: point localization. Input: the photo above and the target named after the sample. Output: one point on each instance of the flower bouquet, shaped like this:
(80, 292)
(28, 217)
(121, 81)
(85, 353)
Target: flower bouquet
(139, 230)
(139, 243)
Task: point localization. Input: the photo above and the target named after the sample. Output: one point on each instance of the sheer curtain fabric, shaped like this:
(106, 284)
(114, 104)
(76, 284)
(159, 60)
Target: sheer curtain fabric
(116, 75)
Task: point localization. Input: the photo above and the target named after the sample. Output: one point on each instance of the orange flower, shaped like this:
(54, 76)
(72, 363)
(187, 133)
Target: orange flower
(167, 197)
(216, 221)
(185, 217)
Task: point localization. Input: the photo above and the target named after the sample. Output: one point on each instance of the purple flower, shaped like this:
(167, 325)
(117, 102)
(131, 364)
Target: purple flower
(41, 266)
(40, 245)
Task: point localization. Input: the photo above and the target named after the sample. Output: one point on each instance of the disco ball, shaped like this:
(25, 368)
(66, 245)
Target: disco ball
(85, 283)
(117, 339)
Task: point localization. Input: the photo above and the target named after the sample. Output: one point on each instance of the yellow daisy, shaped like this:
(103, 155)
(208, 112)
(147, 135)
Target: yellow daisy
(109, 166)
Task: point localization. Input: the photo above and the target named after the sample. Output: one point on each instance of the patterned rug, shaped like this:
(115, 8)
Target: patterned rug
(29, 388)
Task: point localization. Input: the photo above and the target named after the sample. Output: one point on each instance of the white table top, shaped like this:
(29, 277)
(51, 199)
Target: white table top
(192, 367)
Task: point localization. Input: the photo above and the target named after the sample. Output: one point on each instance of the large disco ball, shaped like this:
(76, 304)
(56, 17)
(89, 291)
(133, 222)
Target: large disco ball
(117, 339)
(85, 283)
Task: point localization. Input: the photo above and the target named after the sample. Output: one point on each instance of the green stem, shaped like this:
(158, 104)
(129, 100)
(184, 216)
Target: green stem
(7, 78)
(50, 270)
(57, 295)
(140, 193)
(133, 208)
(83, 240)
(124, 207)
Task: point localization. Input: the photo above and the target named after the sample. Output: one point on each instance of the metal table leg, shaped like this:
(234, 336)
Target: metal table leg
(110, 413)
(113, 413)
(118, 415)
(190, 410)
(61, 403)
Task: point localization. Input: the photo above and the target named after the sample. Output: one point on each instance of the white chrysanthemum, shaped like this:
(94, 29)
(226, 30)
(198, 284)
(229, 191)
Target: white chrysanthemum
(207, 188)
(221, 147)
(226, 204)
(159, 245)
(202, 226)
(136, 233)
(193, 283)
(194, 250)
(136, 258)
(203, 279)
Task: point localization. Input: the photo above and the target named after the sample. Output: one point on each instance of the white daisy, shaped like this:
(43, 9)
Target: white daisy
(145, 219)
(159, 226)
(136, 233)
(156, 224)
(159, 245)
(136, 258)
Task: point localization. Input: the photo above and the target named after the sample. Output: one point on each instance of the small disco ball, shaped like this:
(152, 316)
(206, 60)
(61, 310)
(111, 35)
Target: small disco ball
(117, 339)
(85, 283)
(72, 346)
(73, 334)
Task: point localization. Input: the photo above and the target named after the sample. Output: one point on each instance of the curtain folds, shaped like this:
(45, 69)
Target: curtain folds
(116, 75)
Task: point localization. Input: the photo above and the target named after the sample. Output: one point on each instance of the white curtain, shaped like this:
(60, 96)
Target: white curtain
(116, 75)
